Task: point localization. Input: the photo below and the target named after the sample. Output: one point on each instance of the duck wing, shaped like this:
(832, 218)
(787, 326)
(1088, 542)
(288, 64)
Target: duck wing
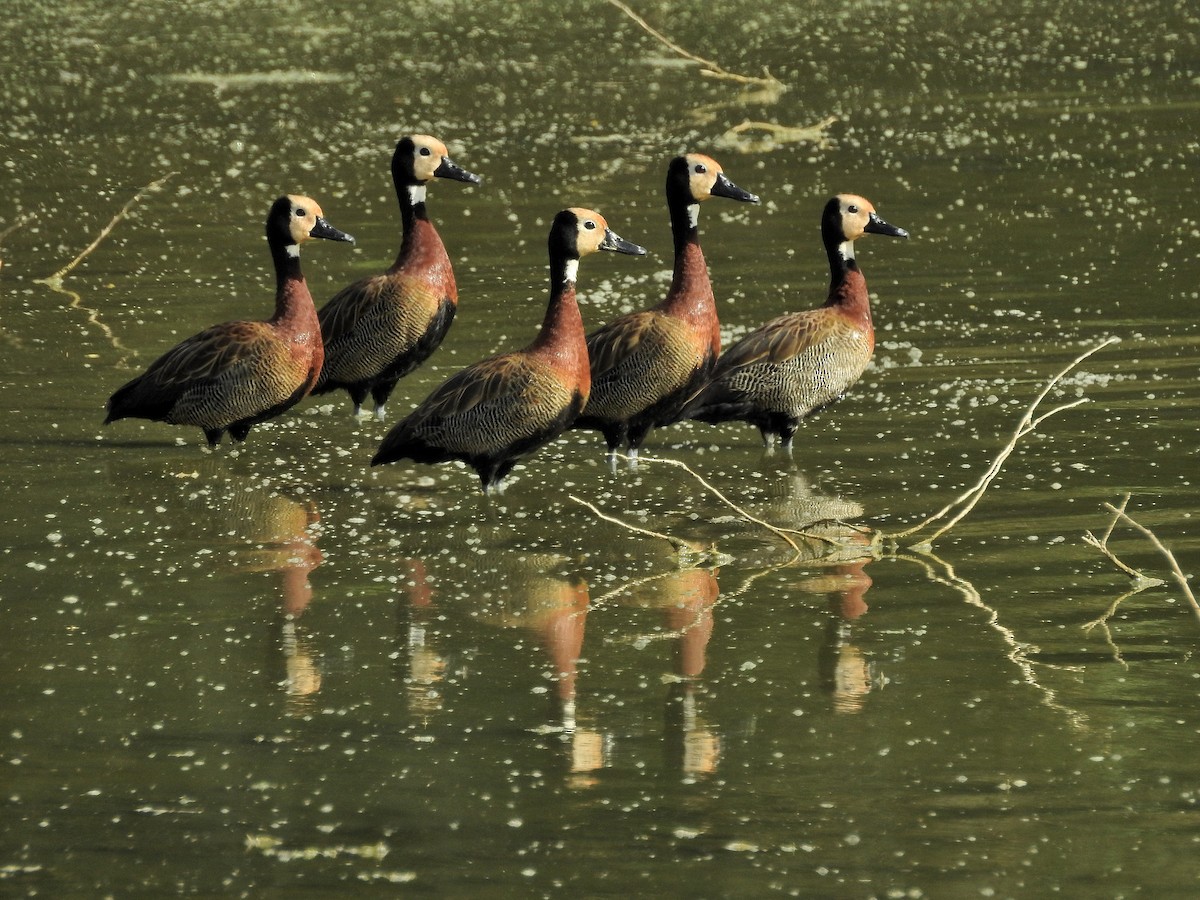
(775, 342)
(230, 352)
(483, 410)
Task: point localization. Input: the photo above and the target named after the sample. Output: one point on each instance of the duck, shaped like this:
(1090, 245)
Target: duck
(235, 375)
(646, 364)
(381, 328)
(799, 363)
(496, 411)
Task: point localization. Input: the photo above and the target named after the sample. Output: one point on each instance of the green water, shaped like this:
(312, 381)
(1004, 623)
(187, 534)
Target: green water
(281, 671)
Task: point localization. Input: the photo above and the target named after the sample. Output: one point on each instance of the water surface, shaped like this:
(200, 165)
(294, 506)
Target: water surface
(278, 669)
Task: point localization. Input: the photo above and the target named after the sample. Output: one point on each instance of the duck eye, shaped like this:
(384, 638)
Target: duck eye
(852, 208)
(700, 169)
(424, 151)
(589, 225)
(301, 212)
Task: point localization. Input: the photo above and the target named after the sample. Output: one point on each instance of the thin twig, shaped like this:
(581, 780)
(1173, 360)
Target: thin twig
(1141, 580)
(1112, 523)
(741, 512)
(1176, 571)
(971, 497)
(710, 68)
(55, 281)
(679, 544)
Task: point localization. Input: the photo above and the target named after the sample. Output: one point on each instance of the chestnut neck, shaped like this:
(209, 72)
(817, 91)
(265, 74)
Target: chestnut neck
(422, 253)
(293, 302)
(561, 342)
(847, 285)
(690, 295)
(563, 321)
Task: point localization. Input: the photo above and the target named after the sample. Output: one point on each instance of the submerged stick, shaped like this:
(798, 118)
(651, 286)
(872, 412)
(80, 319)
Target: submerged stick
(710, 68)
(55, 281)
(1176, 571)
(971, 497)
(741, 512)
(775, 135)
(681, 546)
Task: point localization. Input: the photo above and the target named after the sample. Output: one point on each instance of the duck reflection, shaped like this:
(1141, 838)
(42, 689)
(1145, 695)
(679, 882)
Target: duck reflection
(793, 502)
(844, 670)
(529, 595)
(526, 594)
(421, 664)
(686, 599)
(278, 534)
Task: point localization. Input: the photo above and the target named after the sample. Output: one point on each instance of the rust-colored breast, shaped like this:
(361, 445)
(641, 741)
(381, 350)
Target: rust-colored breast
(690, 298)
(424, 259)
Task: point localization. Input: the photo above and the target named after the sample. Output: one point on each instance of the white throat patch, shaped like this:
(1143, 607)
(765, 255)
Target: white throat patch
(693, 212)
(293, 250)
(846, 249)
(572, 270)
(416, 194)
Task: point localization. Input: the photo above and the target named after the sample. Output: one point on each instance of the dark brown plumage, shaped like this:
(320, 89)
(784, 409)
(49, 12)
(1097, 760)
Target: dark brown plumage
(379, 329)
(495, 411)
(801, 362)
(235, 375)
(646, 364)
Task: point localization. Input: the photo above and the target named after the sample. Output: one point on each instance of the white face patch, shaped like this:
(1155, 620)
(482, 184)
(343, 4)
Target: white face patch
(693, 212)
(416, 194)
(572, 269)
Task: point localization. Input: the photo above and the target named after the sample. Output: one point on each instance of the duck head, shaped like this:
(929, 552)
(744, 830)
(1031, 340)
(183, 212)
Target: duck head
(420, 158)
(694, 177)
(295, 219)
(848, 217)
(577, 232)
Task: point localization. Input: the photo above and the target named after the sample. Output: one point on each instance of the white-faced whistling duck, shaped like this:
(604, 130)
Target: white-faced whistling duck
(801, 362)
(645, 365)
(498, 410)
(379, 329)
(232, 376)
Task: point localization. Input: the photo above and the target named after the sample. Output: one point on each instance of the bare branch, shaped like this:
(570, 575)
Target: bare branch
(55, 281)
(681, 546)
(1140, 580)
(741, 512)
(710, 68)
(970, 497)
(1176, 571)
